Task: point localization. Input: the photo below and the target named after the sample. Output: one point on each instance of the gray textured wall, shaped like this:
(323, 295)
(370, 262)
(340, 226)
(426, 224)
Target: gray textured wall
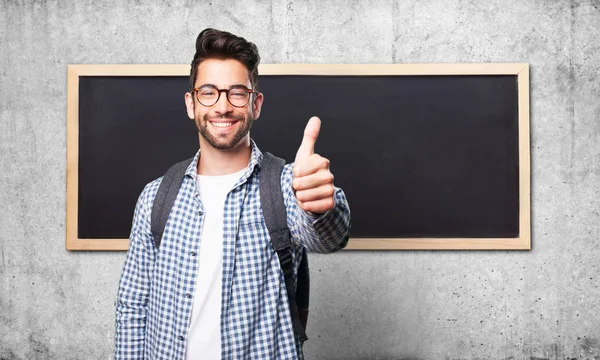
(537, 304)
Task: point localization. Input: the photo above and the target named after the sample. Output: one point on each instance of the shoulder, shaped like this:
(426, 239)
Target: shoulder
(287, 174)
(288, 169)
(149, 192)
(172, 173)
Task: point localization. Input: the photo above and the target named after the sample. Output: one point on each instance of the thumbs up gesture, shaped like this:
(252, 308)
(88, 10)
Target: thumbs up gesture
(313, 182)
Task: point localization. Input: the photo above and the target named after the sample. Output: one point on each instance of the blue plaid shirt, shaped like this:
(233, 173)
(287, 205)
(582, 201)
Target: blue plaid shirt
(156, 289)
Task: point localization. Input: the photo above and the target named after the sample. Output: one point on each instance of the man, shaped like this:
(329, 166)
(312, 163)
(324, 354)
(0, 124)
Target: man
(214, 288)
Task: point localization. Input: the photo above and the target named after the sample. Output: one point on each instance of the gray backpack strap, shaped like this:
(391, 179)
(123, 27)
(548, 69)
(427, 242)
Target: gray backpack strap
(272, 201)
(275, 216)
(165, 198)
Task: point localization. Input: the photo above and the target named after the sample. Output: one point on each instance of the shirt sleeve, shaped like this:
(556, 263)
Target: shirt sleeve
(134, 285)
(323, 233)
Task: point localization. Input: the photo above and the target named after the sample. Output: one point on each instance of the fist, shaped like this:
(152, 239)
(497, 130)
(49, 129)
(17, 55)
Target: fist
(313, 182)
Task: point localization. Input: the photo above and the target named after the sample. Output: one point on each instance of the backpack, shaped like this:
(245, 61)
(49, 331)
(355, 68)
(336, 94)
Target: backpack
(275, 215)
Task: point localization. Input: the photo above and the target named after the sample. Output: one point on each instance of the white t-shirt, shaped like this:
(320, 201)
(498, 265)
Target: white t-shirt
(204, 338)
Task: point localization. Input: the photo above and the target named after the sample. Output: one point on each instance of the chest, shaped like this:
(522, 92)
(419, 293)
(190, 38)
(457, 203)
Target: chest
(238, 212)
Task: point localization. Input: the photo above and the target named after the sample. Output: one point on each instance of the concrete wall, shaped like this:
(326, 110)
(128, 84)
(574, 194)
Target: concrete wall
(538, 304)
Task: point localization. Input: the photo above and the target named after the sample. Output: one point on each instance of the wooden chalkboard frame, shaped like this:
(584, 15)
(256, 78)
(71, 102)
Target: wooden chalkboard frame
(521, 70)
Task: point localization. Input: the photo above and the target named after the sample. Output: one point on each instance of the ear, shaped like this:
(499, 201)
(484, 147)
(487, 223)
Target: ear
(189, 104)
(257, 105)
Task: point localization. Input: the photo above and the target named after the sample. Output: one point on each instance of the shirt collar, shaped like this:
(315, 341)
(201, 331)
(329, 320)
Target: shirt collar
(255, 161)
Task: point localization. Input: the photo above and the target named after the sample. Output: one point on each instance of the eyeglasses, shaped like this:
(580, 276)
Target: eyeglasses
(208, 95)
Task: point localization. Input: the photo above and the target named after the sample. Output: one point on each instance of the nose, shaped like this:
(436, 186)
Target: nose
(222, 106)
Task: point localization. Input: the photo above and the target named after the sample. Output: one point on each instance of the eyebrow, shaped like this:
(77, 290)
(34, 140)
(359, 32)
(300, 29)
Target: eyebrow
(231, 87)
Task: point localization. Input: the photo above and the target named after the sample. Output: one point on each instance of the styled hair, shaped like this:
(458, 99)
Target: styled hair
(216, 44)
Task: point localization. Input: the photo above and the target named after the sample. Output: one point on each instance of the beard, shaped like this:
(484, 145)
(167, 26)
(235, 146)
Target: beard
(224, 141)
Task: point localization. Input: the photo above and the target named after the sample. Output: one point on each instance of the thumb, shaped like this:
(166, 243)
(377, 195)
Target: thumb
(311, 132)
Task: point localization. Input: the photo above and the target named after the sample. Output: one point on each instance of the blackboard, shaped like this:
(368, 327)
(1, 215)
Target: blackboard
(426, 160)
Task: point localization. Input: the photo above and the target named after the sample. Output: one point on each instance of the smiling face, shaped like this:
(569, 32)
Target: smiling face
(222, 125)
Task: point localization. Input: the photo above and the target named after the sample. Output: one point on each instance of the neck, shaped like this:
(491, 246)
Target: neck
(215, 162)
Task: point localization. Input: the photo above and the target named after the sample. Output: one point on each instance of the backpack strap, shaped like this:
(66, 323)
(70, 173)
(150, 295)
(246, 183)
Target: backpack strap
(303, 289)
(276, 220)
(165, 198)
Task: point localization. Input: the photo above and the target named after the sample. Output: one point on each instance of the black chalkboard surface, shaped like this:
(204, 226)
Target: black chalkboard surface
(418, 156)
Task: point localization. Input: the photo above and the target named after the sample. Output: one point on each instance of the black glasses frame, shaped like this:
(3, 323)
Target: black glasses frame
(226, 91)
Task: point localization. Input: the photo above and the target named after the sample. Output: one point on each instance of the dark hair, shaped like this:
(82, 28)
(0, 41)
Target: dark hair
(216, 44)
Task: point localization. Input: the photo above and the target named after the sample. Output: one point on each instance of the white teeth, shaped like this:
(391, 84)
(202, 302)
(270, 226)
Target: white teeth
(223, 125)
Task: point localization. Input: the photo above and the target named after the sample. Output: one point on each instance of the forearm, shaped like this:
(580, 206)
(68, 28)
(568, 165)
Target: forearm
(130, 332)
(131, 316)
(324, 233)
(134, 287)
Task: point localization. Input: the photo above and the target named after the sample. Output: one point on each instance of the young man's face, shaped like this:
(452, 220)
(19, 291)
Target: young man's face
(223, 125)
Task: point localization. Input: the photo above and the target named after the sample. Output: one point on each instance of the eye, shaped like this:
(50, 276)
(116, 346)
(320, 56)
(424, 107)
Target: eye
(207, 92)
(239, 93)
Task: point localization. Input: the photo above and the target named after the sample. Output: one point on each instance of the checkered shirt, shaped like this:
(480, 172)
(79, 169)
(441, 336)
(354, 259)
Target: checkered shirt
(156, 290)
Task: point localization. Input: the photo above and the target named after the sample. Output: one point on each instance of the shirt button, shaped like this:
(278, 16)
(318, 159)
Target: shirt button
(193, 253)
(188, 295)
(181, 338)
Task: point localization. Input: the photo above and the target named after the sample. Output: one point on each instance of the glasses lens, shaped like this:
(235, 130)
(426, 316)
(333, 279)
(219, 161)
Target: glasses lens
(208, 95)
(238, 96)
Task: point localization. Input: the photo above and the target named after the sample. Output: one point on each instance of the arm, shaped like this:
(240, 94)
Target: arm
(134, 285)
(324, 233)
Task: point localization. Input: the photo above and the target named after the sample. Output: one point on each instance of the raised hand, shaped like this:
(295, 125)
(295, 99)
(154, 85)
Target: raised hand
(313, 182)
